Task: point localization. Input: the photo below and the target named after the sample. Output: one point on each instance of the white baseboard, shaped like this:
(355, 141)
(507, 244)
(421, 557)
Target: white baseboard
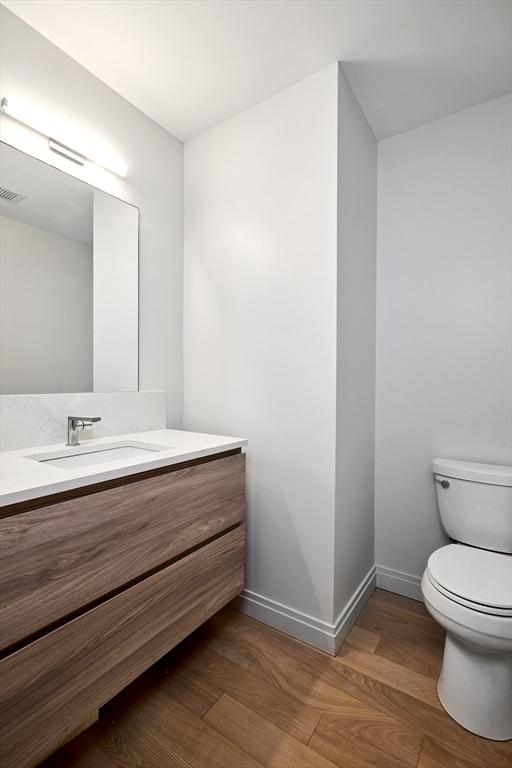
(405, 584)
(348, 616)
(286, 619)
(327, 637)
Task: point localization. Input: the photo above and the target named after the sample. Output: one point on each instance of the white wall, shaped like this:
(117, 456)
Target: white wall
(355, 398)
(34, 71)
(279, 339)
(116, 293)
(260, 326)
(45, 311)
(443, 318)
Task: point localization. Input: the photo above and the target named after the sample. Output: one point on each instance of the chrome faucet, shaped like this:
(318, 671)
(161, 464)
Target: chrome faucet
(79, 422)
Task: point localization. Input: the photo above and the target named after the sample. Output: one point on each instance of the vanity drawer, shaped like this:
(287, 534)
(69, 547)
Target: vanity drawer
(53, 684)
(60, 558)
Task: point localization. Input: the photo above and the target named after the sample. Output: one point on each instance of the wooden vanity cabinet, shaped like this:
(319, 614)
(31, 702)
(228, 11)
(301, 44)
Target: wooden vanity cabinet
(98, 584)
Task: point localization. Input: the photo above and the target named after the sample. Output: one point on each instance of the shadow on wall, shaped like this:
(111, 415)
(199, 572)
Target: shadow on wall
(285, 543)
(412, 79)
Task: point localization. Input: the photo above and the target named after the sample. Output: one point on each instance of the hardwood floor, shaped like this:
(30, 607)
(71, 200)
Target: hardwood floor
(237, 694)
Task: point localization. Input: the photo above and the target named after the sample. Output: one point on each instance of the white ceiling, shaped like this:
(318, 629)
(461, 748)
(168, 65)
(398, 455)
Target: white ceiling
(191, 64)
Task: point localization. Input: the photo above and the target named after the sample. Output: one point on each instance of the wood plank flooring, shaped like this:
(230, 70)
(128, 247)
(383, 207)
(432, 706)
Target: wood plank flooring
(237, 694)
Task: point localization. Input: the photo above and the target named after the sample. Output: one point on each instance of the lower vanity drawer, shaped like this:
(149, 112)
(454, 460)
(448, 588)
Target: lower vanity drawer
(49, 687)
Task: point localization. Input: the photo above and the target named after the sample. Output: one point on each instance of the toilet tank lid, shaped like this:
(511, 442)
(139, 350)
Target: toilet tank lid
(494, 474)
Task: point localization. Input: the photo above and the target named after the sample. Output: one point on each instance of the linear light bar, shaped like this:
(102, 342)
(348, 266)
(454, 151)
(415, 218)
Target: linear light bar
(67, 152)
(105, 160)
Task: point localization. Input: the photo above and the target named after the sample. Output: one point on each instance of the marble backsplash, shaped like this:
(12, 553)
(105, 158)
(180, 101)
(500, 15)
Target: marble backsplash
(27, 421)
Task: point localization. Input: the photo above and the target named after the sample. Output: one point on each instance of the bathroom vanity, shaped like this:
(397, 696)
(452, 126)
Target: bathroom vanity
(104, 568)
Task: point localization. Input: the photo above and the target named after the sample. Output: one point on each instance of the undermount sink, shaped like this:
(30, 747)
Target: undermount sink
(86, 456)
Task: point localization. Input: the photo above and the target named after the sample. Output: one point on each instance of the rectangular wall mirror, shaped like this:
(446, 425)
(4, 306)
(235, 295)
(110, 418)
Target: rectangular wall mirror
(69, 282)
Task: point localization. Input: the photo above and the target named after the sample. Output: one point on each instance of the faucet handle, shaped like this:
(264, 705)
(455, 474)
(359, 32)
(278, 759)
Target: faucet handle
(81, 422)
(85, 420)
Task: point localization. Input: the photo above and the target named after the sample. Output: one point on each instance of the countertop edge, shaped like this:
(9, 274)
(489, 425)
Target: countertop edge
(68, 484)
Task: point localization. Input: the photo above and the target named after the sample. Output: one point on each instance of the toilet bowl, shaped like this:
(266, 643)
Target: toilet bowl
(475, 685)
(468, 590)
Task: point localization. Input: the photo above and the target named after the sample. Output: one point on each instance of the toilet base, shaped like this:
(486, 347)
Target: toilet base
(475, 689)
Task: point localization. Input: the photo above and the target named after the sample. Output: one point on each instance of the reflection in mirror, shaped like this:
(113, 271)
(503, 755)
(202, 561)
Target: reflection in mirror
(68, 281)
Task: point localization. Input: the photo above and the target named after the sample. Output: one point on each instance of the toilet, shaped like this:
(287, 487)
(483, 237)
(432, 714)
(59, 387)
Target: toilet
(467, 588)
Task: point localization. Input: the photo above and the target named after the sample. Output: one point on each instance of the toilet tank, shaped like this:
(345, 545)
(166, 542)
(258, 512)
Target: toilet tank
(475, 502)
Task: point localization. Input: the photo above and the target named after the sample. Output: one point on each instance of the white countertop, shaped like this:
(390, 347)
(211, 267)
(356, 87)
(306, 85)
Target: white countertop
(23, 478)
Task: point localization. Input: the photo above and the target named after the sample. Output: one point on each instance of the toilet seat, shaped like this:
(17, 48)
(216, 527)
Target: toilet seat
(476, 626)
(478, 579)
(477, 607)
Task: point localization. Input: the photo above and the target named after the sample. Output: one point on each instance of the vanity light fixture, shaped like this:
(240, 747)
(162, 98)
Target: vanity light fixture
(67, 152)
(108, 162)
